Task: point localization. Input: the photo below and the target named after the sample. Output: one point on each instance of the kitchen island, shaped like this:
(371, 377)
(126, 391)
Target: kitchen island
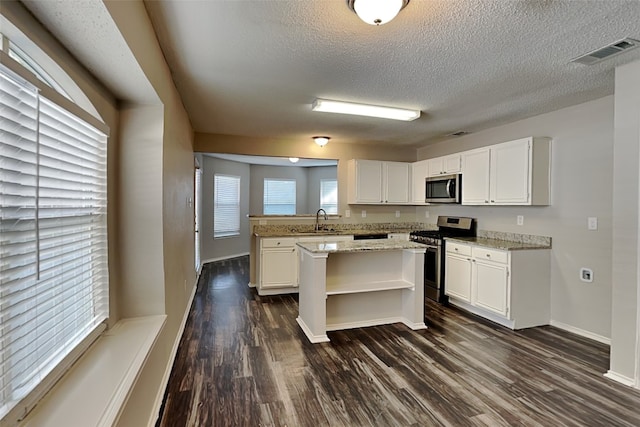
(355, 284)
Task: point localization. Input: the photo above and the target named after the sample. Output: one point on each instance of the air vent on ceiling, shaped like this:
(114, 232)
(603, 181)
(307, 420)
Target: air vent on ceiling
(459, 133)
(607, 51)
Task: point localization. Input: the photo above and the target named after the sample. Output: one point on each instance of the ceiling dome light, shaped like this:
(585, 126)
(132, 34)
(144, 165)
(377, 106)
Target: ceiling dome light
(321, 140)
(377, 12)
(294, 159)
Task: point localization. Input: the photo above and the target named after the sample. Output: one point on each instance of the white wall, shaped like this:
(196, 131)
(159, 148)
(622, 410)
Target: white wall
(210, 248)
(625, 354)
(581, 181)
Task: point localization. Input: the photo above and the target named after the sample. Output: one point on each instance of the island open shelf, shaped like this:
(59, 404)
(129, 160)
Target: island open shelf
(356, 288)
(359, 284)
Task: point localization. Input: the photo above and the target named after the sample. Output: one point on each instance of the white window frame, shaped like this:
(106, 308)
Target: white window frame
(275, 199)
(226, 216)
(328, 201)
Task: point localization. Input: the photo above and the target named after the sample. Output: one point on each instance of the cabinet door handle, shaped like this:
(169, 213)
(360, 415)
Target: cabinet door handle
(455, 249)
(488, 255)
(278, 243)
(493, 201)
(486, 201)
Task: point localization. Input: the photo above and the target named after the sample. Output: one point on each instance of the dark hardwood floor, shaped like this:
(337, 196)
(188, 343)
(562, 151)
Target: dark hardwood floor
(243, 361)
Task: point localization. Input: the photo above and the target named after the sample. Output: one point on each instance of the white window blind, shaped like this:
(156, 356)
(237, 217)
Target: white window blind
(279, 197)
(53, 240)
(329, 195)
(226, 206)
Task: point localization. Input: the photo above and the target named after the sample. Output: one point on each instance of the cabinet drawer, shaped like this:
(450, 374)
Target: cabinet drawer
(311, 239)
(278, 243)
(458, 248)
(490, 254)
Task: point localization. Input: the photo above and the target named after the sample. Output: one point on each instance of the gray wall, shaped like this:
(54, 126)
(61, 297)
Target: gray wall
(260, 172)
(315, 174)
(582, 180)
(307, 185)
(210, 248)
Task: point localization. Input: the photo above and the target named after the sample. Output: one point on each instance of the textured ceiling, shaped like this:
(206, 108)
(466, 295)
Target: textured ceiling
(86, 29)
(253, 67)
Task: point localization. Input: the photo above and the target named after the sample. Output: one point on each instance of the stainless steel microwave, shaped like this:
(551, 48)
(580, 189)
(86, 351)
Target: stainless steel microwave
(443, 189)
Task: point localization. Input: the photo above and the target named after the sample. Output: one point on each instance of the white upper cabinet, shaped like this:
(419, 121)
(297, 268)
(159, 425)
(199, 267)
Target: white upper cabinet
(395, 181)
(419, 171)
(376, 182)
(445, 165)
(475, 177)
(511, 173)
(365, 181)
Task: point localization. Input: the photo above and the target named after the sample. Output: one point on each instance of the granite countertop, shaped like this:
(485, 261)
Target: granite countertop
(361, 246)
(505, 245)
(326, 232)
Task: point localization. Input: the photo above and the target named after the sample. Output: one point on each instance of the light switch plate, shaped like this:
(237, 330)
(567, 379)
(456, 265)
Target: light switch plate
(520, 219)
(426, 214)
(397, 214)
(592, 223)
(347, 213)
(364, 214)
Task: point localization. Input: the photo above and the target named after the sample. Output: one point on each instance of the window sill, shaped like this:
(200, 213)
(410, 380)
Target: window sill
(96, 388)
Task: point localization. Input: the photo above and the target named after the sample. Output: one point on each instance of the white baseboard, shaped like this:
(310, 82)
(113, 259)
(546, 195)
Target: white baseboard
(277, 291)
(313, 339)
(172, 357)
(415, 326)
(620, 378)
(482, 313)
(222, 258)
(581, 332)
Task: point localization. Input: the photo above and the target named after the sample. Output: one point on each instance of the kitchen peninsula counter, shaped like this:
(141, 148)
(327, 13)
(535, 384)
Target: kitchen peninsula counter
(355, 284)
(359, 246)
(505, 245)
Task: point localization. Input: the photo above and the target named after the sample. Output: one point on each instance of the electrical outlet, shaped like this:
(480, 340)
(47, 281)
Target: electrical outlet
(520, 220)
(397, 214)
(586, 275)
(592, 223)
(262, 222)
(364, 214)
(426, 214)
(347, 213)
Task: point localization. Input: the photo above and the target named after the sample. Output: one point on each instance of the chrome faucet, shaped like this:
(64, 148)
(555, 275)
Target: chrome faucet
(318, 218)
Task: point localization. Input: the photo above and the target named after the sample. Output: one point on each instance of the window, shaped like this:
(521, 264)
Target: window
(226, 206)
(279, 197)
(329, 195)
(27, 62)
(53, 236)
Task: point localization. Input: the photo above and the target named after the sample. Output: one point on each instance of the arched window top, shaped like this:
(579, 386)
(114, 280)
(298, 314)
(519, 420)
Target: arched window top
(30, 64)
(32, 58)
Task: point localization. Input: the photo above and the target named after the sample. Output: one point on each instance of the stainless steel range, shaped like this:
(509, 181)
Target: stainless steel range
(448, 226)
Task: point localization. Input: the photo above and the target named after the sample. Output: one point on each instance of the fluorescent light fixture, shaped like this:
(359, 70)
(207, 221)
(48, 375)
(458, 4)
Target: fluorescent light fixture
(294, 159)
(321, 140)
(328, 106)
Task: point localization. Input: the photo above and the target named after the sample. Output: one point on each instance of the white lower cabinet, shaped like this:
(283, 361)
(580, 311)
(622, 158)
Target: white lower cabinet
(491, 285)
(278, 263)
(458, 277)
(277, 267)
(508, 287)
